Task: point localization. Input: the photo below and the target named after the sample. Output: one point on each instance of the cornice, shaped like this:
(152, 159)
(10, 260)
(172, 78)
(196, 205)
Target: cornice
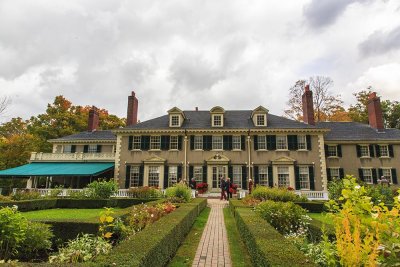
(92, 141)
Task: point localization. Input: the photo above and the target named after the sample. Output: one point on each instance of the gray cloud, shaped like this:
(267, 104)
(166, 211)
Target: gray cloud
(380, 42)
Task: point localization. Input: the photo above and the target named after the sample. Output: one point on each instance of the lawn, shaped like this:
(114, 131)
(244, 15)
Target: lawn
(64, 214)
(321, 217)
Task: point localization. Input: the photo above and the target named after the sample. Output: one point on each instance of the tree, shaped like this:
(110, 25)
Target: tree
(5, 101)
(326, 105)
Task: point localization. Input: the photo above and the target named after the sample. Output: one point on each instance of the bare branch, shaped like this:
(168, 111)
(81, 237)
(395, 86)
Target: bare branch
(5, 101)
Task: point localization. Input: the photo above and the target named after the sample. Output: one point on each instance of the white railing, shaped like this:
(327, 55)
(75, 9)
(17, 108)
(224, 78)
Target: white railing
(78, 156)
(314, 195)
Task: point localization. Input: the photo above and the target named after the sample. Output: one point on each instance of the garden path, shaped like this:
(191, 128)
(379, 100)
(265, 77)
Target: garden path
(213, 248)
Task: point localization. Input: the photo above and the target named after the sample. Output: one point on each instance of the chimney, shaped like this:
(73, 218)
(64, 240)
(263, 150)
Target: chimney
(93, 122)
(308, 106)
(375, 116)
(131, 117)
(197, 109)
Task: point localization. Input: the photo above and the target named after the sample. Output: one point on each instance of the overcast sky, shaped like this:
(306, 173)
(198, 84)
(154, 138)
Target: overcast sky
(236, 54)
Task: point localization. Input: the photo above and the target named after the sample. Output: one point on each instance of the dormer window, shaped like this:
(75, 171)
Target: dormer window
(217, 117)
(259, 116)
(176, 117)
(175, 121)
(217, 120)
(261, 119)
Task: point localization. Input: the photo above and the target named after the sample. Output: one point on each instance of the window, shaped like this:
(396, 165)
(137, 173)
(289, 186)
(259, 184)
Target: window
(173, 142)
(217, 142)
(367, 175)
(237, 175)
(364, 151)
(198, 173)
(137, 140)
(304, 178)
(263, 175)
(92, 149)
(384, 150)
(283, 177)
(281, 142)
(67, 149)
(334, 173)
(217, 120)
(155, 142)
(134, 176)
(332, 151)
(175, 120)
(236, 143)
(260, 120)
(262, 142)
(172, 175)
(154, 176)
(198, 142)
(301, 142)
(387, 173)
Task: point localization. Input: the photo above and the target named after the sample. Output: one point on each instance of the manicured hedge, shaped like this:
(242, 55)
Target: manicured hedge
(315, 230)
(65, 231)
(28, 205)
(266, 246)
(312, 206)
(235, 203)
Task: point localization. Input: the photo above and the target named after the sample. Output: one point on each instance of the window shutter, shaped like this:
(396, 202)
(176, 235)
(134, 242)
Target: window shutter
(270, 177)
(205, 174)
(98, 148)
(391, 154)
(360, 174)
(127, 176)
(164, 142)
(358, 148)
(179, 173)
(145, 142)
(341, 173)
(230, 173)
(328, 174)
(230, 140)
(394, 176)
(180, 139)
(339, 151)
(130, 143)
(255, 142)
(227, 144)
(326, 151)
(141, 175)
(371, 151)
(380, 173)
(308, 140)
(297, 177)
(377, 151)
(166, 176)
(207, 142)
(292, 142)
(190, 172)
(271, 142)
(374, 176)
(85, 148)
(243, 142)
(311, 175)
(192, 142)
(256, 178)
(244, 177)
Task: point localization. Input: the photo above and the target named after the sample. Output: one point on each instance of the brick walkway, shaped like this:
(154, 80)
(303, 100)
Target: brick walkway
(213, 248)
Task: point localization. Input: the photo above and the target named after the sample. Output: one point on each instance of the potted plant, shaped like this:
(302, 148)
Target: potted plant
(202, 187)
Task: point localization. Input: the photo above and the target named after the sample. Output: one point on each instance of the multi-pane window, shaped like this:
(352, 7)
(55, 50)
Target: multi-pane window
(281, 142)
(154, 176)
(137, 140)
(301, 142)
(217, 120)
(260, 120)
(217, 142)
(198, 142)
(367, 175)
(174, 120)
(236, 142)
(198, 173)
(387, 173)
(332, 151)
(134, 176)
(262, 141)
(263, 175)
(364, 151)
(283, 177)
(92, 148)
(304, 178)
(384, 150)
(155, 142)
(237, 175)
(172, 175)
(334, 172)
(67, 149)
(173, 142)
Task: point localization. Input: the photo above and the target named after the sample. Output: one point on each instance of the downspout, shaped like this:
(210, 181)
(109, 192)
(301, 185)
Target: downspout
(185, 163)
(249, 154)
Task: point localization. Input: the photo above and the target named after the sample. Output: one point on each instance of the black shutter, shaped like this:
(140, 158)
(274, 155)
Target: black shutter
(360, 174)
(230, 173)
(297, 177)
(326, 151)
(180, 139)
(205, 174)
(85, 148)
(270, 177)
(127, 176)
(255, 142)
(308, 140)
(179, 174)
(292, 142)
(374, 176)
(256, 178)
(271, 142)
(244, 177)
(73, 148)
(207, 142)
(394, 176)
(377, 151)
(190, 172)
(166, 176)
(341, 173)
(130, 143)
(227, 142)
(98, 148)
(328, 174)
(165, 142)
(141, 175)
(242, 142)
(380, 173)
(391, 153)
(145, 142)
(371, 151)
(311, 174)
(339, 150)
(192, 142)
(358, 148)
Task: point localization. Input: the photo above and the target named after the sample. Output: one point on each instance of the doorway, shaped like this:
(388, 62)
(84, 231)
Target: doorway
(218, 172)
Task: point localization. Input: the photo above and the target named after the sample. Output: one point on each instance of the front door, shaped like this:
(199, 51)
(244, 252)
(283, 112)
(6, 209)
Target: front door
(218, 172)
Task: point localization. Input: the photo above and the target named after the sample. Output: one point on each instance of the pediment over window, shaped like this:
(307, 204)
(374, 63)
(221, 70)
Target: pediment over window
(217, 109)
(284, 160)
(218, 158)
(155, 159)
(259, 116)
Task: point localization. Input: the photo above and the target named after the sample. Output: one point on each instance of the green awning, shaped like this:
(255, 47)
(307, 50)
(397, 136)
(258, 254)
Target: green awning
(58, 169)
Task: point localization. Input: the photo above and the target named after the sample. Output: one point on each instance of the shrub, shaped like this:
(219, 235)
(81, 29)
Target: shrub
(286, 217)
(81, 194)
(251, 201)
(37, 240)
(179, 191)
(111, 228)
(380, 194)
(335, 188)
(82, 249)
(26, 195)
(54, 192)
(145, 192)
(103, 189)
(5, 198)
(276, 194)
(202, 187)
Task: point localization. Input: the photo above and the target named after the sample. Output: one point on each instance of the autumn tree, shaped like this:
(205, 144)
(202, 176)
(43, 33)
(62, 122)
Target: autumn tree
(326, 105)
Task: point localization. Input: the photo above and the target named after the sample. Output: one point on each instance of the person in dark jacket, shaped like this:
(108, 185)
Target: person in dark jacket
(228, 188)
(193, 184)
(222, 186)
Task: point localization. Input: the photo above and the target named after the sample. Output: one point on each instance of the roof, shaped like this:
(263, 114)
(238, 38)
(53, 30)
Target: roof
(58, 169)
(353, 131)
(95, 135)
(233, 119)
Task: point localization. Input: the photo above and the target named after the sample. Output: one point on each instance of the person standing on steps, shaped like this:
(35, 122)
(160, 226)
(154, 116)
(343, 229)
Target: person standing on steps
(250, 186)
(222, 186)
(193, 185)
(228, 188)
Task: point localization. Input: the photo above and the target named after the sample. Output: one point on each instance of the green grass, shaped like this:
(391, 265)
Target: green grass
(186, 252)
(65, 214)
(321, 217)
(239, 254)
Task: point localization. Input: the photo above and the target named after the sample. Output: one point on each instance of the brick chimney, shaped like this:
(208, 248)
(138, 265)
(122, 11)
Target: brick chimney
(308, 106)
(131, 117)
(93, 122)
(375, 116)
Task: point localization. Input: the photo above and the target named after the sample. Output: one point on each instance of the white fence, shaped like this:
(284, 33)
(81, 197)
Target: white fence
(104, 156)
(314, 195)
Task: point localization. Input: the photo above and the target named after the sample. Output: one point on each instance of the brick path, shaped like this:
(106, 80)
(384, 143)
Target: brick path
(213, 248)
